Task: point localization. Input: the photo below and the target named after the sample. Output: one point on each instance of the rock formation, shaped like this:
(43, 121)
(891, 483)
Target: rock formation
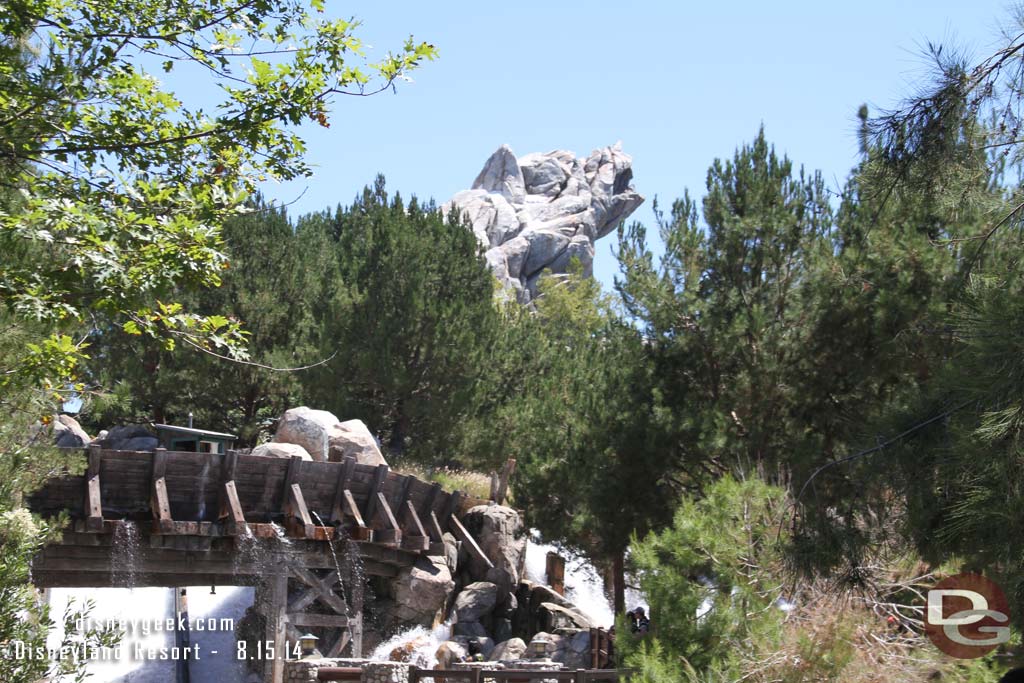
(67, 433)
(281, 450)
(325, 437)
(542, 210)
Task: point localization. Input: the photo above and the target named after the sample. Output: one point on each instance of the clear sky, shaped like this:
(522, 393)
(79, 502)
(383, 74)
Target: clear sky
(680, 83)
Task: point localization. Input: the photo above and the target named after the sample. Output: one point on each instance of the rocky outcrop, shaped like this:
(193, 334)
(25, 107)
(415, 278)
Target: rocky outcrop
(129, 438)
(475, 601)
(307, 428)
(421, 592)
(543, 210)
(353, 438)
(67, 433)
(509, 650)
(450, 653)
(325, 437)
(499, 532)
(281, 450)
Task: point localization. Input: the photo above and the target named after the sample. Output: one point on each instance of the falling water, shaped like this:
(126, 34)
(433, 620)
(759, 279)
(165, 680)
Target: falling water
(584, 586)
(124, 554)
(337, 565)
(202, 490)
(416, 646)
(280, 533)
(247, 552)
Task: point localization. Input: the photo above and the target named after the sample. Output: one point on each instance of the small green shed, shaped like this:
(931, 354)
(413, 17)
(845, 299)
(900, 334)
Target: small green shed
(175, 438)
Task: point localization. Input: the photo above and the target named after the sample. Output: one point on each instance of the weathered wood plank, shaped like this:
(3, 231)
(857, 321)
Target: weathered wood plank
(378, 483)
(298, 518)
(344, 476)
(318, 620)
(467, 538)
(353, 509)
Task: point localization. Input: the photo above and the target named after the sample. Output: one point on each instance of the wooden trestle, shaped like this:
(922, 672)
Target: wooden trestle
(194, 514)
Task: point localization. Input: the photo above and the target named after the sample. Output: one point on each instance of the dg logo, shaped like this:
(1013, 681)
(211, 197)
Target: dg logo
(967, 616)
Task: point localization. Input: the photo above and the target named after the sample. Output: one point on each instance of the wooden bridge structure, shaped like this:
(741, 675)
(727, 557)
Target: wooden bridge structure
(195, 514)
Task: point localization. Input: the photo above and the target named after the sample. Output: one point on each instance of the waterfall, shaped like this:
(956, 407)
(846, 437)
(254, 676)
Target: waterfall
(417, 646)
(584, 586)
(124, 554)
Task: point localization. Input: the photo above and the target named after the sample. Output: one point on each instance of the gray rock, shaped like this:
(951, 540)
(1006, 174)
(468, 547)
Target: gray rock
(500, 533)
(281, 450)
(475, 601)
(451, 552)
(509, 650)
(67, 433)
(140, 443)
(502, 629)
(354, 438)
(538, 213)
(422, 592)
(307, 428)
(118, 437)
(552, 617)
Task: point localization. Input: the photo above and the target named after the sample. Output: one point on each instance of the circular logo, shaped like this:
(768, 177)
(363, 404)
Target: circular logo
(967, 616)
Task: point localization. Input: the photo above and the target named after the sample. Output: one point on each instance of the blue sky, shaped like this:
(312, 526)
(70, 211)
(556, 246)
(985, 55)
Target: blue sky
(680, 83)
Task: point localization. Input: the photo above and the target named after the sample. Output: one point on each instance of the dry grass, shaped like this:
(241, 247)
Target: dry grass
(475, 484)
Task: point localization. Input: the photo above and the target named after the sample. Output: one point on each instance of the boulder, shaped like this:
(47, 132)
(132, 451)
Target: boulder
(307, 428)
(565, 202)
(449, 653)
(475, 601)
(572, 649)
(352, 437)
(500, 534)
(67, 433)
(422, 592)
(451, 552)
(551, 617)
(140, 443)
(281, 450)
(509, 650)
(120, 438)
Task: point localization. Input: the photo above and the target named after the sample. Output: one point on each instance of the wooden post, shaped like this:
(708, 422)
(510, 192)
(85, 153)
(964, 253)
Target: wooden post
(93, 502)
(378, 483)
(465, 537)
(276, 614)
(294, 465)
(344, 477)
(555, 570)
(159, 500)
(297, 514)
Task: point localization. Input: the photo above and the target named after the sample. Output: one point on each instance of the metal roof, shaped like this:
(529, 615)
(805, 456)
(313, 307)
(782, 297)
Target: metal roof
(194, 432)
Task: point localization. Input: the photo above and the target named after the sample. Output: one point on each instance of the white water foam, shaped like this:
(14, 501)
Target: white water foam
(417, 646)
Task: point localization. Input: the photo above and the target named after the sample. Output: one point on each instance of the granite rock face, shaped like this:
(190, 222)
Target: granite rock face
(67, 433)
(541, 211)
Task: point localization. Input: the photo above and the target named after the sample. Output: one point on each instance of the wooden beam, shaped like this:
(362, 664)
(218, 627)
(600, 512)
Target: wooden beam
(93, 503)
(318, 620)
(436, 532)
(343, 639)
(232, 509)
(159, 500)
(344, 477)
(353, 509)
(378, 484)
(414, 538)
(276, 615)
(464, 536)
(391, 534)
(294, 465)
(297, 517)
(323, 588)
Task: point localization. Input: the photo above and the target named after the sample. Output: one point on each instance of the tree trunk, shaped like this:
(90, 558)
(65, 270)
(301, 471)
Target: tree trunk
(619, 582)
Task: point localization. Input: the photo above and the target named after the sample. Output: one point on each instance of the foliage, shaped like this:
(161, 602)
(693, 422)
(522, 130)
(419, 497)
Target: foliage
(406, 318)
(567, 396)
(123, 185)
(714, 580)
(271, 288)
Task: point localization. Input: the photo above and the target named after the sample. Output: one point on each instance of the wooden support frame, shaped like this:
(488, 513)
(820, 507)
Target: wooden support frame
(93, 502)
(391, 534)
(344, 479)
(414, 536)
(464, 536)
(230, 506)
(379, 476)
(159, 500)
(297, 517)
(317, 588)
